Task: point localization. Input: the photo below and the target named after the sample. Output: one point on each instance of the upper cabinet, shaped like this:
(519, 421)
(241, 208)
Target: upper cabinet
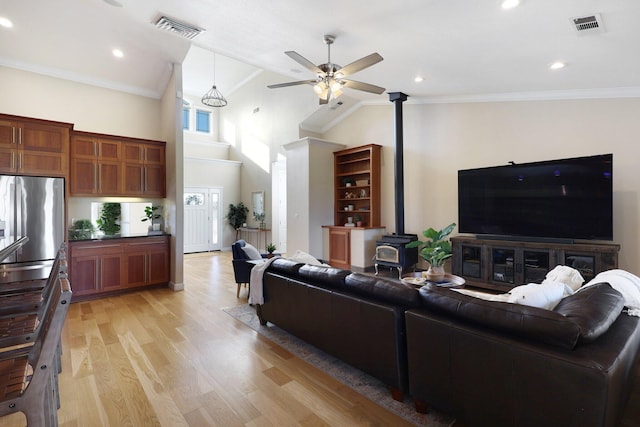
(116, 166)
(34, 147)
(144, 169)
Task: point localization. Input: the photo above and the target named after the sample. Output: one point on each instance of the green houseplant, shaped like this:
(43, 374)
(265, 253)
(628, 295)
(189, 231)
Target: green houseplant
(270, 249)
(109, 221)
(237, 216)
(435, 250)
(81, 229)
(260, 216)
(152, 215)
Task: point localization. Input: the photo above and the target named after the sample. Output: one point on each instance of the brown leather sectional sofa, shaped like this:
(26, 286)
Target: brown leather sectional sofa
(484, 362)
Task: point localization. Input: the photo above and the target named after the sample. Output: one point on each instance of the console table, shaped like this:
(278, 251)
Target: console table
(258, 237)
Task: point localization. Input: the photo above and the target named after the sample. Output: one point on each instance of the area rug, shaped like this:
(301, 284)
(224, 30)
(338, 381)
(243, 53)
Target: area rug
(362, 383)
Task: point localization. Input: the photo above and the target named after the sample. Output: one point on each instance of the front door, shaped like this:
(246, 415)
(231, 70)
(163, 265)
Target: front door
(202, 219)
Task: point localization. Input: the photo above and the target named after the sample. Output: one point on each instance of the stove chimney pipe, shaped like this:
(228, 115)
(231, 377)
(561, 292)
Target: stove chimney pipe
(398, 98)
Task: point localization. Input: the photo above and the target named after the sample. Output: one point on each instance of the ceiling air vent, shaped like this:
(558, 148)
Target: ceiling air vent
(187, 31)
(588, 24)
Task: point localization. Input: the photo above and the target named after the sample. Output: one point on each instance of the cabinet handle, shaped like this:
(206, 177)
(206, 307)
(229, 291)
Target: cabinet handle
(13, 135)
(98, 247)
(20, 136)
(20, 161)
(96, 178)
(13, 160)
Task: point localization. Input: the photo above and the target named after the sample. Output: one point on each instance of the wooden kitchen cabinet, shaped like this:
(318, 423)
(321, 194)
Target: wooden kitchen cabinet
(34, 147)
(108, 165)
(96, 165)
(144, 169)
(96, 267)
(147, 261)
(100, 267)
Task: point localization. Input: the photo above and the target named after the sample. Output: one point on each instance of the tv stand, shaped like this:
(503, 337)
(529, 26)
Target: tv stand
(500, 265)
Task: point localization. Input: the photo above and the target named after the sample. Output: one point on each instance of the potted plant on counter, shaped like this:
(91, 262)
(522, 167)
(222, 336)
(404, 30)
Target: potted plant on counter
(81, 229)
(435, 250)
(109, 221)
(152, 215)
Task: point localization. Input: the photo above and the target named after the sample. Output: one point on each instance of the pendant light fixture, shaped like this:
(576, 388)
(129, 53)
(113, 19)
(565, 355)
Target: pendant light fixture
(214, 97)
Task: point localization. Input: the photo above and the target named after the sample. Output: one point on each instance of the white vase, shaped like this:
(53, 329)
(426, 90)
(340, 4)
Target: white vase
(435, 274)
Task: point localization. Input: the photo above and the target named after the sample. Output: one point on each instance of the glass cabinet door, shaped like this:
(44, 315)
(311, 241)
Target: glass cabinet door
(471, 261)
(502, 265)
(536, 266)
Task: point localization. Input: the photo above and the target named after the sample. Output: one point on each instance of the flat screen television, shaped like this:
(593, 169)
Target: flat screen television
(567, 199)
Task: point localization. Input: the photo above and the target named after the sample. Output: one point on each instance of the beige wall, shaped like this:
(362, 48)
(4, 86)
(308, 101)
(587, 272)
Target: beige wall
(439, 139)
(89, 108)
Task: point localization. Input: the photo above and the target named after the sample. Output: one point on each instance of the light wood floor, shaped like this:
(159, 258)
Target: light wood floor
(176, 359)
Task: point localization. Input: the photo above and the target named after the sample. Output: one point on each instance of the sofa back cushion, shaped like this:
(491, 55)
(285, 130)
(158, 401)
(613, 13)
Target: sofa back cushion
(285, 267)
(529, 322)
(382, 290)
(593, 309)
(325, 277)
(581, 317)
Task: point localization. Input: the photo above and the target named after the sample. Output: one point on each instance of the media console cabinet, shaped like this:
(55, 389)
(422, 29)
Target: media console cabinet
(502, 264)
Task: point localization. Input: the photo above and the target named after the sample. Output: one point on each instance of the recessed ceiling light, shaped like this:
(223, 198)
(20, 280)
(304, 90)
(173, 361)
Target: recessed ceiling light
(117, 53)
(5, 22)
(557, 65)
(418, 79)
(510, 4)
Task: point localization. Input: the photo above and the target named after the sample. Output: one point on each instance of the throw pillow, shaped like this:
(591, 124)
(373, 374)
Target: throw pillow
(567, 275)
(251, 251)
(546, 295)
(305, 258)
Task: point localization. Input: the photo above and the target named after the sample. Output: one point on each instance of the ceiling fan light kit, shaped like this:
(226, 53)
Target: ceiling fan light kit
(330, 77)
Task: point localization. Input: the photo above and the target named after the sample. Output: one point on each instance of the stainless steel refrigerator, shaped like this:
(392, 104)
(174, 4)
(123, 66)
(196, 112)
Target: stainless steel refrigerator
(33, 207)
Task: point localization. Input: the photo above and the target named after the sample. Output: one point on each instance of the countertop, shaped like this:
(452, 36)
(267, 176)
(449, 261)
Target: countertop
(96, 237)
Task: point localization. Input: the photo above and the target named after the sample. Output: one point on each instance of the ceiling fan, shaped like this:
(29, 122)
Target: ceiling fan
(330, 77)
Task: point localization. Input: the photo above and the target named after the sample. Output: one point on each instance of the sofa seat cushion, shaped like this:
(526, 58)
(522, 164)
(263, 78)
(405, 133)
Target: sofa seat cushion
(382, 290)
(593, 309)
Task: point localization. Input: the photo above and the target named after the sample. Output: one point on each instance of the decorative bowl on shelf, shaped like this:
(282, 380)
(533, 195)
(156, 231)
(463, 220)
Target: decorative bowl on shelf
(414, 279)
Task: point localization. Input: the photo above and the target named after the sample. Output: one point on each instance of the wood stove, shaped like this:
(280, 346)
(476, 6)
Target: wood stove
(391, 251)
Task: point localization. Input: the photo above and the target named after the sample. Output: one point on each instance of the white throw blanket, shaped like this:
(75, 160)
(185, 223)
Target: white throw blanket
(256, 295)
(626, 283)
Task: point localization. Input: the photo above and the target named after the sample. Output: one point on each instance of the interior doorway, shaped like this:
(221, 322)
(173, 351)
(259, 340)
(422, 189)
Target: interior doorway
(202, 219)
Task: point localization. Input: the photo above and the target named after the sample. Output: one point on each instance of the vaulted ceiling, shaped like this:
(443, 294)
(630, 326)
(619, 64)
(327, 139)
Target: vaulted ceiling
(462, 49)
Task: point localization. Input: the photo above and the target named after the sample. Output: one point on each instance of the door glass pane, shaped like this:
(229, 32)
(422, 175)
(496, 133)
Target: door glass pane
(194, 199)
(585, 264)
(215, 205)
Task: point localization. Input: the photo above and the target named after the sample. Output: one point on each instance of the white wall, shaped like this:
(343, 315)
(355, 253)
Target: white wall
(439, 139)
(257, 122)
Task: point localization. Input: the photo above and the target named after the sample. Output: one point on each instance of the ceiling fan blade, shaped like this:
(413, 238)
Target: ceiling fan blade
(362, 86)
(360, 64)
(303, 61)
(301, 82)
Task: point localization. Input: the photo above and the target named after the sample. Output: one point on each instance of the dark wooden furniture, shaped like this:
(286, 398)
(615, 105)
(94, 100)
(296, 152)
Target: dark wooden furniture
(118, 264)
(34, 147)
(107, 165)
(502, 264)
(28, 374)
